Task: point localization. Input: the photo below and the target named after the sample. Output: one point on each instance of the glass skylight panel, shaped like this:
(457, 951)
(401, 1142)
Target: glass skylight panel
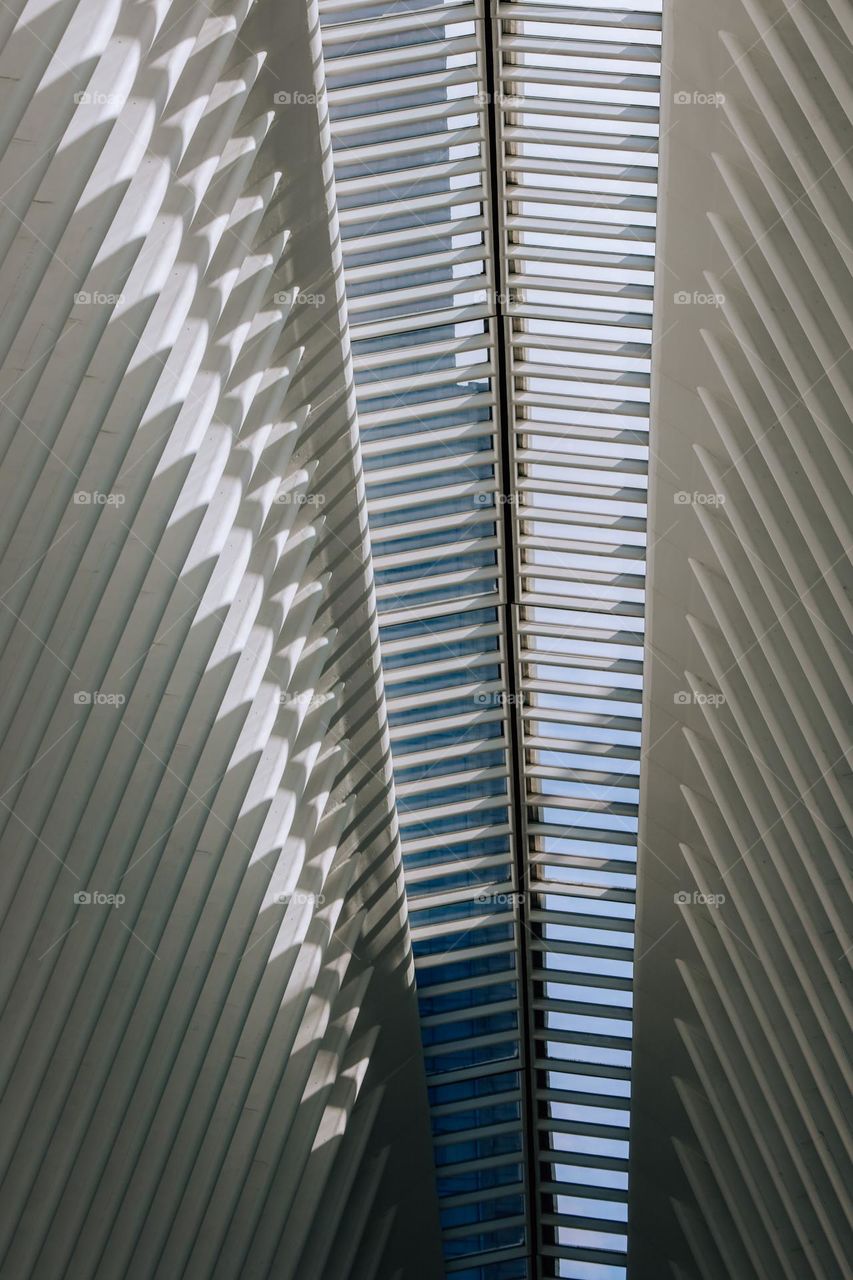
(411, 147)
(578, 138)
(496, 174)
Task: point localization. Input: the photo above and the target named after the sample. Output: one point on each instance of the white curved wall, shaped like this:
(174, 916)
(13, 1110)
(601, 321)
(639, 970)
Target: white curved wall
(211, 1067)
(740, 1144)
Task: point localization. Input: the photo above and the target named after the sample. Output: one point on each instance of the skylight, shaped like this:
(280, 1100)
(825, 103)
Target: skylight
(496, 183)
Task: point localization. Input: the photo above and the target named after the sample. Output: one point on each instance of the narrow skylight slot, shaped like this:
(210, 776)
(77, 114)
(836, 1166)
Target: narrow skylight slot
(496, 178)
(411, 139)
(578, 171)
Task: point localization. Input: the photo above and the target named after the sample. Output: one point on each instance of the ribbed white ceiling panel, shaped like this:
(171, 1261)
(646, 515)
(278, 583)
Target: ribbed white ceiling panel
(207, 1027)
(743, 1144)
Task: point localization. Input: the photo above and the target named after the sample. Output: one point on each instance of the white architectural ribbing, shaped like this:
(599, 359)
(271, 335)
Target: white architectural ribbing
(741, 1134)
(207, 1016)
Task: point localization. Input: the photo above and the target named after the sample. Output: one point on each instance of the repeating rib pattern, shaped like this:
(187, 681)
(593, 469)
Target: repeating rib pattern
(756, 812)
(199, 931)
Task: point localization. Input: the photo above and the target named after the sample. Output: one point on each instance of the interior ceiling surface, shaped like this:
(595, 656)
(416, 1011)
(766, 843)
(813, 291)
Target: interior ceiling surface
(210, 1061)
(496, 184)
(740, 1145)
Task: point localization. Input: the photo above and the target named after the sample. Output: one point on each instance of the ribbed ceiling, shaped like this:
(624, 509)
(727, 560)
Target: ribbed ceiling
(742, 1138)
